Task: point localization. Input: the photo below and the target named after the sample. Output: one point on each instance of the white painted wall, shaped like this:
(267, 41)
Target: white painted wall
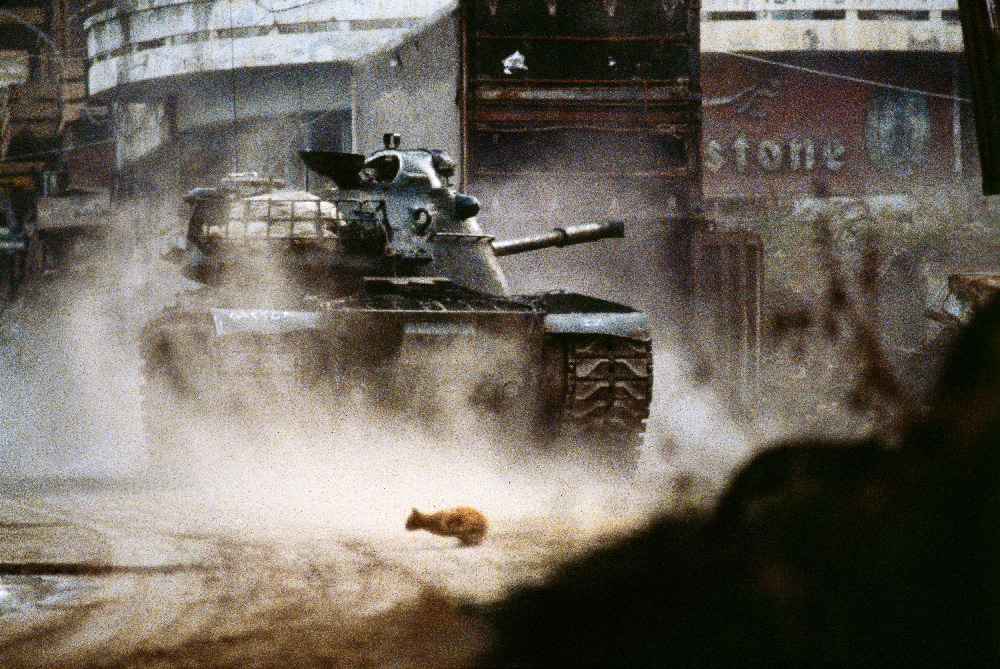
(264, 64)
(259, 93)
(849, 25)
(181, 37)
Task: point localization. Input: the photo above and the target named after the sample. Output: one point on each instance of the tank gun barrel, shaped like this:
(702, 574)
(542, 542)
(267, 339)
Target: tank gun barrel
(577, 234)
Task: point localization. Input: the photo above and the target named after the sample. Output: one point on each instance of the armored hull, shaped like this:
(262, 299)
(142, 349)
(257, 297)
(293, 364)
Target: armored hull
(523, 370)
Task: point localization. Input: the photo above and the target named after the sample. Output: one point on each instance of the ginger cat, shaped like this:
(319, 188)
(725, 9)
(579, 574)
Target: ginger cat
(463, 522)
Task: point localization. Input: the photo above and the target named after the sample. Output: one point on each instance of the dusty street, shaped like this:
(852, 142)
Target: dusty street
(451, 333)
(117, 573)
(282, 544)
(116, 576)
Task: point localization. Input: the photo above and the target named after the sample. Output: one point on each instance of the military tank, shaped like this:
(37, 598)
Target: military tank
(387, 289)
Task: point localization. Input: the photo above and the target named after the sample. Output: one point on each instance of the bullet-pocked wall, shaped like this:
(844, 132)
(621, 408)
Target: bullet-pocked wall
(852, 124)
(854, 98)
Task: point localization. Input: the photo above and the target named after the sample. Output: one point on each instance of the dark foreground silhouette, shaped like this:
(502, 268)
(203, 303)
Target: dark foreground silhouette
(818, 553)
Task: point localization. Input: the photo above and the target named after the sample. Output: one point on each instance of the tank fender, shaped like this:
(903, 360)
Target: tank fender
(634, 325)
(263, 321)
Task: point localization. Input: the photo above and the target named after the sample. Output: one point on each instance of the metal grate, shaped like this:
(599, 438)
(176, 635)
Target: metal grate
(274, 219)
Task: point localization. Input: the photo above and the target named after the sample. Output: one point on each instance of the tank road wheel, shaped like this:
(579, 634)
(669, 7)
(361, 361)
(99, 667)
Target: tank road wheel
(177, 383)
(609, 387)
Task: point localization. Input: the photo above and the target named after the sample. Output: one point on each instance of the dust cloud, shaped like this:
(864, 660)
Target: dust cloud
(297, 514)
(70, 354)
(291, 522)
(695, 432)
(73, 372)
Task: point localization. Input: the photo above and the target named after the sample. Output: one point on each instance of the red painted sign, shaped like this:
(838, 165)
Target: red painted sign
(774, 130)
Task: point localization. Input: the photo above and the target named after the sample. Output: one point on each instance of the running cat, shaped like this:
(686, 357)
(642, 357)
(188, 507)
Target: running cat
(463, 522)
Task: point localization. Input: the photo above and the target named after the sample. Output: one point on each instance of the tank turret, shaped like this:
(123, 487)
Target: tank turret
(397, 209)
(393, 214)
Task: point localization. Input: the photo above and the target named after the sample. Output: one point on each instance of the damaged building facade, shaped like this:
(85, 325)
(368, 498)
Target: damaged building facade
(46, 116)
(206, 87)
(558, 111)
(853, 113)
(48, 129)
(792, 96)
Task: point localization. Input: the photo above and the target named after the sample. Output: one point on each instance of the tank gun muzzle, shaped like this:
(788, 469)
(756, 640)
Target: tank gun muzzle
(577, 234)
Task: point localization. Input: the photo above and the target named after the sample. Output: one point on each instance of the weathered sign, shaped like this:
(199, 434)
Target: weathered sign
(843, 123)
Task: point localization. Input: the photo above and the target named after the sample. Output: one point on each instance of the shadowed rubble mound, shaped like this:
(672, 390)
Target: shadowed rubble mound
(818, 553)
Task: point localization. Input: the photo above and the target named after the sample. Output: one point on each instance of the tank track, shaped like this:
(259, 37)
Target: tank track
(609, 388)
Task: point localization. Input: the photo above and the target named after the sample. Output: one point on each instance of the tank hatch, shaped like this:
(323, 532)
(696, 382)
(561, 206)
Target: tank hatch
(343, 168)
